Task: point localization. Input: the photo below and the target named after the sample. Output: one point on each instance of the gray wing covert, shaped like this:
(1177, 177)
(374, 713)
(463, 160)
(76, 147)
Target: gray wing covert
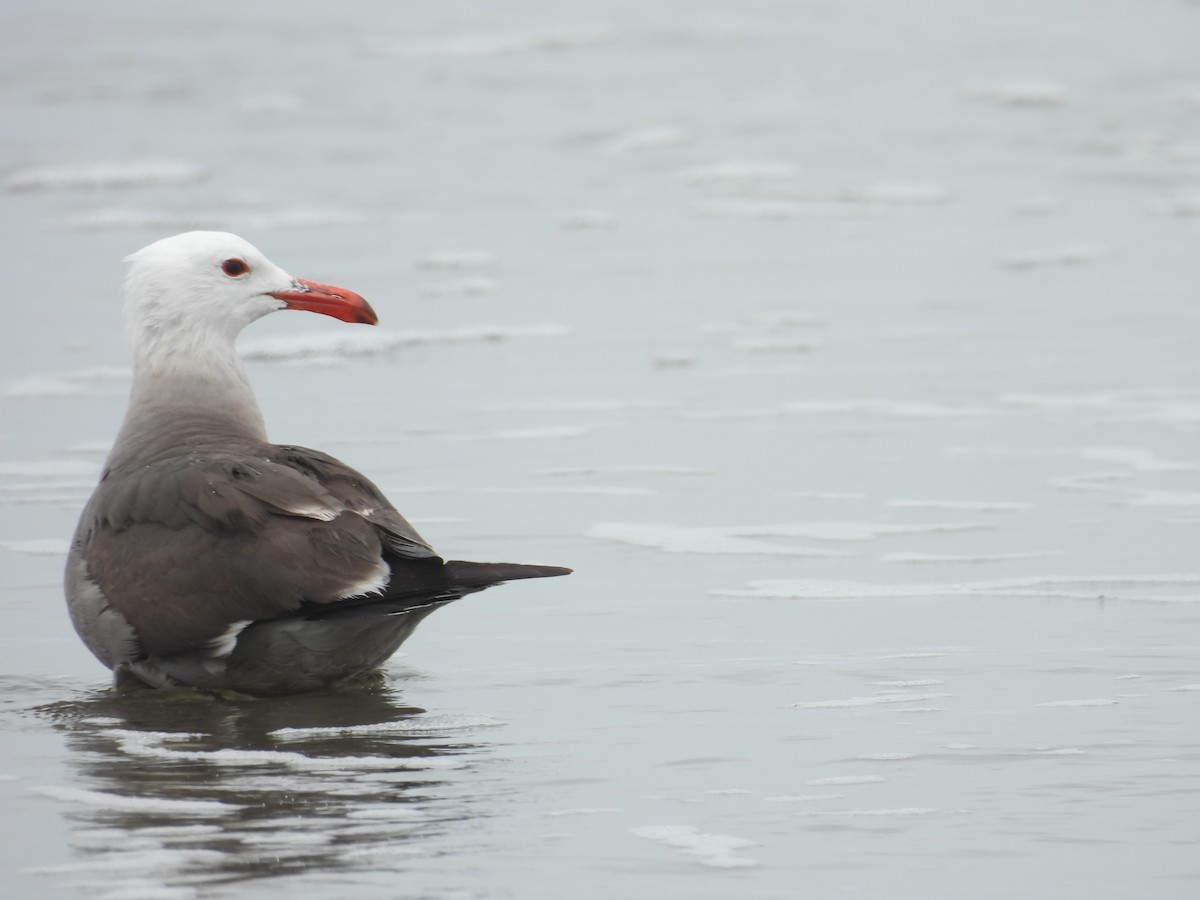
(358, 493)
(187, 547)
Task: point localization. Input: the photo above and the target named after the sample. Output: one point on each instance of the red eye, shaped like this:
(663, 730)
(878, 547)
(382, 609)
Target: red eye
(235, 268)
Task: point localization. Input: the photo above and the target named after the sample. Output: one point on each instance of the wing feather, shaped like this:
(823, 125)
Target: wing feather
(187, 546)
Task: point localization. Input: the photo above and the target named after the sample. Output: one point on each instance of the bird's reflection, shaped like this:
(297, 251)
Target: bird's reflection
(182, 789)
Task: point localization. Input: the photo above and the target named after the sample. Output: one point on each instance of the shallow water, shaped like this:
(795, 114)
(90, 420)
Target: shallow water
(847, 352)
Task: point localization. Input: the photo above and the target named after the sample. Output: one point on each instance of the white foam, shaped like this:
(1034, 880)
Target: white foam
(1139, 459)
(963, 505)
(775, 345)
(921, 558)
(372, 343)
(741, 412)
(92, 176)
(1186, 687)
(547, 432)
(72, 500)
(38, 546)
(900, 812)
(135, 804)
(1164, 498)
(716, 850)
(1091, 400)
(175, 831)
(889, 409)
(773, 190)
(1013, 452)
(897, 193)
(776, 208)
(138, 872)
(1037, 205)
(544, 433)
(1028, 93)
(868, 531)
(574, 406)
(749, 538)
(759, 322)
(469, 286)
(270, 103)
(1070, 255)
(50, 467)
(888, 697)
(588, 220)
(388, 812)
(145, 219)
(912, 682)
(149, 744)
(1094, 587)
(80, 382)
(786, 318)
(828, 495)
(1171, 407)
(641, 140)
(1097, 701)
(887, 757)
(42, 486)
(623, 470)
(682, 539)
(1090, 481)
(457, 260)
(466, 46)
(419, 725)
(846, 779)
(589, 491)
(740, 172)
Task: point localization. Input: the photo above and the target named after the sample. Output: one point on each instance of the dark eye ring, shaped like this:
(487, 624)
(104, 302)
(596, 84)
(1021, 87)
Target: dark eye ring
(235, 268)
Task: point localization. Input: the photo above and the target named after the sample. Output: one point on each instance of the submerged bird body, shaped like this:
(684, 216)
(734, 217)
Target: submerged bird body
(207, 555)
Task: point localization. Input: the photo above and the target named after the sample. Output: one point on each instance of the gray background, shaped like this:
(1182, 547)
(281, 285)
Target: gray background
(847, 350)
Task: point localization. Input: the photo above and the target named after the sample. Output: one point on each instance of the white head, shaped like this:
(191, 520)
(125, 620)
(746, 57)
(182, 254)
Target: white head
(199, 289)
(186, 299)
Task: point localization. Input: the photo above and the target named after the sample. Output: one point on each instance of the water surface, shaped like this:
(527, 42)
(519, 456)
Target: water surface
(847, 352)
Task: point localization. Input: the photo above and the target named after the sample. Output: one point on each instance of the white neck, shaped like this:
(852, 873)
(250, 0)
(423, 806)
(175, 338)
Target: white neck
(189, 385)
(183, 313)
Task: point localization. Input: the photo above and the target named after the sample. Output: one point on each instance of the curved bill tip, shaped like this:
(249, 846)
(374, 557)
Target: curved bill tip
(328, 301)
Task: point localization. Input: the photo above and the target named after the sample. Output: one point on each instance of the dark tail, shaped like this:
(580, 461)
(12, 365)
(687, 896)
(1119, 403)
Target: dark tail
(478, 575)
(425, 584)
